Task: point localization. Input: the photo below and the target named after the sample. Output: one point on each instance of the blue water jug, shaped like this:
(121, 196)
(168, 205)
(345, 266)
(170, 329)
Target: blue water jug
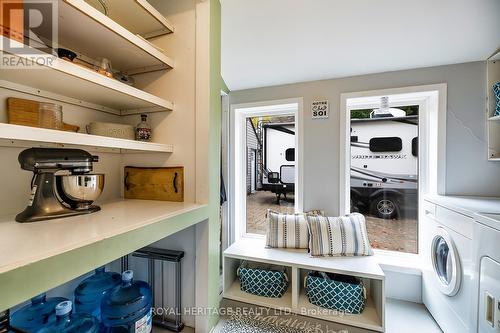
(36, 315)
(128, 307)
(67, 322)
(89, 293)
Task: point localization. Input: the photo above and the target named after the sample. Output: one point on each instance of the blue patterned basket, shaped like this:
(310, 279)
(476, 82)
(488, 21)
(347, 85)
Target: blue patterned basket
(262, 280)
(336, 292)
(496, 91)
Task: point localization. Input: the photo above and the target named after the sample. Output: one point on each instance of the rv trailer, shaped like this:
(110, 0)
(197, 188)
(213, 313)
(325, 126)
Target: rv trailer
(384, 164)
(279, 158)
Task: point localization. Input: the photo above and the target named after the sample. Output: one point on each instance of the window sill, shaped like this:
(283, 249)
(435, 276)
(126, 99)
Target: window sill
(396, 262)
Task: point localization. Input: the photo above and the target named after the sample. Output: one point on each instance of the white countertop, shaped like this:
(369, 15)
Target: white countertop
(485, 210)
(25, 243)
(469, 206)
(491, 220)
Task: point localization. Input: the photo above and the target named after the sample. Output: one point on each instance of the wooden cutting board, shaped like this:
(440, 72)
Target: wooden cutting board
(25, 112)
(165, 183)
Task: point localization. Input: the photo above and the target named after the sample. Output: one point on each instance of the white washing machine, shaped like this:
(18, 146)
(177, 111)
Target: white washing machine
(448, 276)
(487, 251)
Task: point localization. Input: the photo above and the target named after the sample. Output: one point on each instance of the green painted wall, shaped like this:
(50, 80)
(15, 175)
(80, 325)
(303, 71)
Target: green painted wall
(214, 156)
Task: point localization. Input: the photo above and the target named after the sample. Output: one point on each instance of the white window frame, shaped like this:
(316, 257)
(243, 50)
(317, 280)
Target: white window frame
(432, 124)
(237, 155)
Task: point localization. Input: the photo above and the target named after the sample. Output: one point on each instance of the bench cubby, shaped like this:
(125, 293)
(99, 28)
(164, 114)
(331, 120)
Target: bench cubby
(298, 263)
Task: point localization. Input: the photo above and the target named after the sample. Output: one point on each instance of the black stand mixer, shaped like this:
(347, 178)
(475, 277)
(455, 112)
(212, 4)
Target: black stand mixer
(61, 184)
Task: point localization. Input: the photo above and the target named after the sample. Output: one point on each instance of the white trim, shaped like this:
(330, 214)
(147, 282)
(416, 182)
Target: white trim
(228, 235)
(399, 262)
(432, 99)
(238, 114)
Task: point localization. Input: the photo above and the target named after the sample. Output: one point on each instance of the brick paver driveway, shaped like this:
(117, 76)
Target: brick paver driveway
(394, 235)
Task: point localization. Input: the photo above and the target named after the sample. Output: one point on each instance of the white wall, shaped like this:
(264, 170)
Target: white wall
(468, 172)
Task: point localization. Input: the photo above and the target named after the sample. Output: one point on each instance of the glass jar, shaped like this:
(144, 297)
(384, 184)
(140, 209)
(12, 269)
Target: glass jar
(143, 130)
(50, 116)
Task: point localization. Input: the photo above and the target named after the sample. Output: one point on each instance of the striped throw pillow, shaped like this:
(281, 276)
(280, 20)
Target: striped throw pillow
(338, 236)
(286, 230)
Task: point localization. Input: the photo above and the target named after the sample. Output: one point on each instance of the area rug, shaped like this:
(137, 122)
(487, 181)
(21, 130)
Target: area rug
(246, 318)
(251, 325)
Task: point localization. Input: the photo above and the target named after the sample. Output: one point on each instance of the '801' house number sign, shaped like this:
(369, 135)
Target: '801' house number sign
(319, 109)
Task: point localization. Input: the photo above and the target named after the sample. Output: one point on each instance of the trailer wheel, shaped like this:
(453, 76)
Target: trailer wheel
(385, 207)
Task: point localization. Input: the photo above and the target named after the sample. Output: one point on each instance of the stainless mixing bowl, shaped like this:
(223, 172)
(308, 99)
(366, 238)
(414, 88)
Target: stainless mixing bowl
(82, 190)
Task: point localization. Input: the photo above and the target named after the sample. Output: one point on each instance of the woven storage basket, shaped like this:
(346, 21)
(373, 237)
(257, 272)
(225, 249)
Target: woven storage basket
(336, 292)
(263, 280)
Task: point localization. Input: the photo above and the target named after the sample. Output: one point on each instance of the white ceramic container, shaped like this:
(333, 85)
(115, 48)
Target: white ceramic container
(112, 130)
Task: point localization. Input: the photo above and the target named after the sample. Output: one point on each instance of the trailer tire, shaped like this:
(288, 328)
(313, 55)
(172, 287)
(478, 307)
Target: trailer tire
(385, 207)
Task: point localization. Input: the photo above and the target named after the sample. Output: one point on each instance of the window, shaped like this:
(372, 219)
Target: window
(380, 145)
(384, 175)
(270, 168)
(278, 128)
(414, 146)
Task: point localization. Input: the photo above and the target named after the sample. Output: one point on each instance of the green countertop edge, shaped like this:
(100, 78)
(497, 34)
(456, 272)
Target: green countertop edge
(20, 284)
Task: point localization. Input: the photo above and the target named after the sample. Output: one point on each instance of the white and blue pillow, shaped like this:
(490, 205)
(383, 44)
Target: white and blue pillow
(286, 230)
(338, 236)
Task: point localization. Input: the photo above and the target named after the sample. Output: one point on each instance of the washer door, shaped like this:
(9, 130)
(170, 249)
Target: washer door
(446, 262)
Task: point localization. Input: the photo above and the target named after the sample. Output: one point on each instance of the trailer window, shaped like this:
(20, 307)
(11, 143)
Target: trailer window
(385, 144)
(414, 146)
(290, 154)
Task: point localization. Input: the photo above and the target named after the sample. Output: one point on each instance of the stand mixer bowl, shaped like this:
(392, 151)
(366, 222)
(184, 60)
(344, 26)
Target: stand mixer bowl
(80, 190)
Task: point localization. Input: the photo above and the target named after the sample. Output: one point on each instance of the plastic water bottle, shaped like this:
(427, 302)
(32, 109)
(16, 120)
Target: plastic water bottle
(66, 322)
(36, 315)
(128, 308)
(89, 293)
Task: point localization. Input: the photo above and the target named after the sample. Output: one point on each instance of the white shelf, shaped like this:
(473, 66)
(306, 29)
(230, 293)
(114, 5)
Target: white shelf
(86, 30)
(61, 79)
(234, 292)
(298, 262)
(495, 56)
(139, 17)
(22, 244)
(254, 249)
(24, 136)
(495, 118)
